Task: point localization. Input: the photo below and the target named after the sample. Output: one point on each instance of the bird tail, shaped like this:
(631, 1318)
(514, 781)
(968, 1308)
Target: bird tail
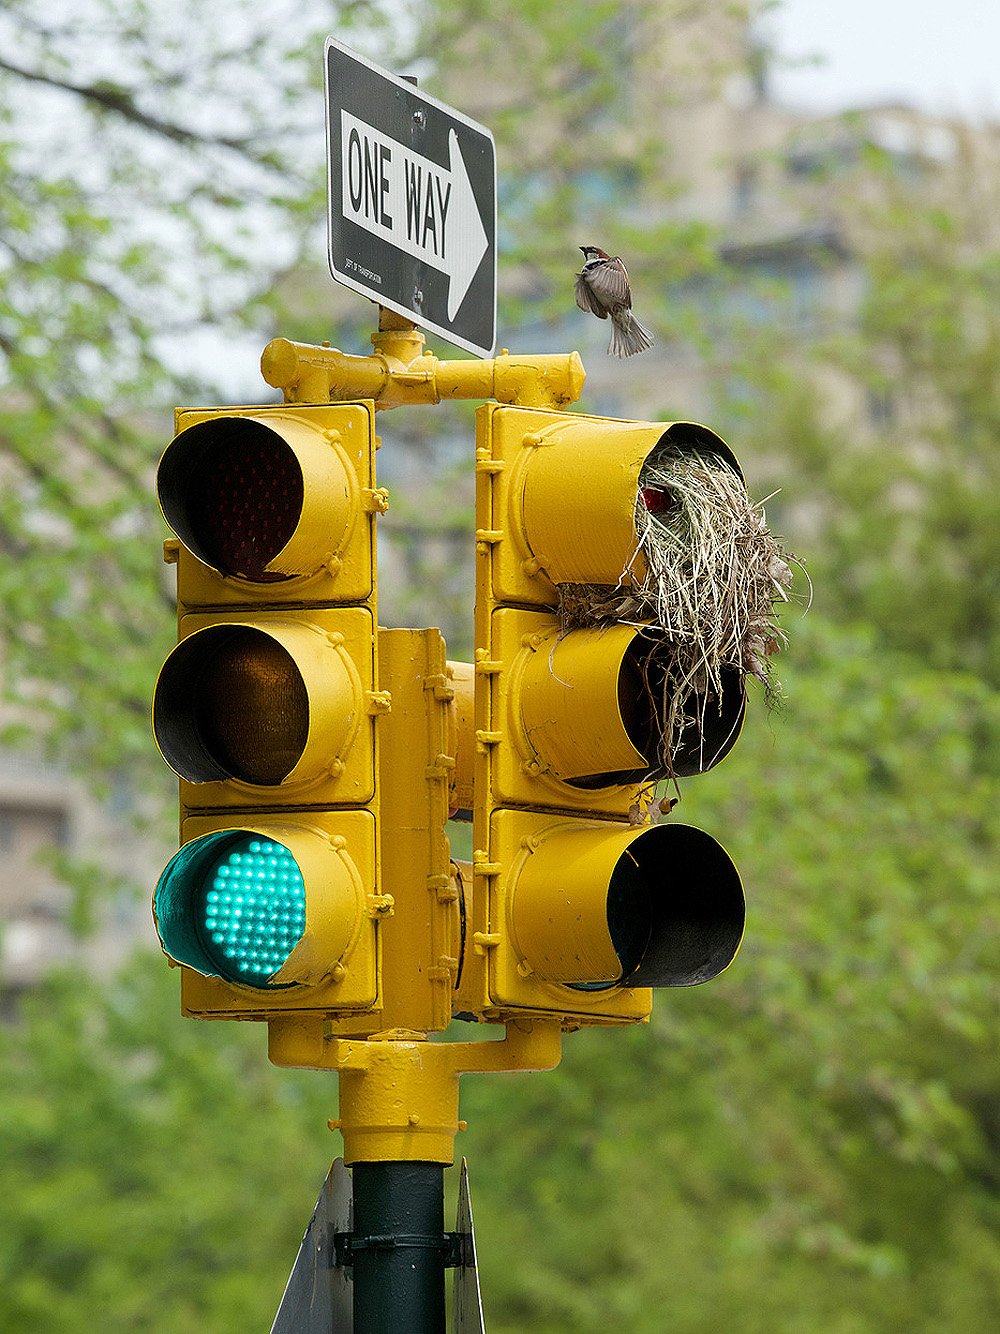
(628, 335)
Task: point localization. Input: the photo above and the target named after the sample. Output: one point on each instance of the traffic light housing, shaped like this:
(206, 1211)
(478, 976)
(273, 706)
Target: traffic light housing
(272, 501)
(319, 756)
(579, 903)
(266, 711)
(272, 710)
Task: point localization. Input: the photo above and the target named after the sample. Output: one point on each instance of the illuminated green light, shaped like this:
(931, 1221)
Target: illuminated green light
(253, 910)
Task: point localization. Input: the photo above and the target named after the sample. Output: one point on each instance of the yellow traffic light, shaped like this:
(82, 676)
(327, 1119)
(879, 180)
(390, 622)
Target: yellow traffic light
(320, 757)
(266, 711)
(276, 906)
(579, 710)
(592, 905)
(578, 902)
(273, 501)
(557, 495)
(278, 700)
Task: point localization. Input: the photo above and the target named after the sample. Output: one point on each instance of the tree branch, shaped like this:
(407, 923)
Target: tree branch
(120, 101)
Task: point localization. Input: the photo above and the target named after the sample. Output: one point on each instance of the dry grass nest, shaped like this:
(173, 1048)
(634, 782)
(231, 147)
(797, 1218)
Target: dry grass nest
(703, 585)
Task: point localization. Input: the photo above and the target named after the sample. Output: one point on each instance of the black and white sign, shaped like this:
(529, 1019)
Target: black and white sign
(412, 201)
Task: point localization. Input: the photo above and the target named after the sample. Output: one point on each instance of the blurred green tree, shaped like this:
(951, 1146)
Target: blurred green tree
(156, 1172)
(159, 170)
(880, 429)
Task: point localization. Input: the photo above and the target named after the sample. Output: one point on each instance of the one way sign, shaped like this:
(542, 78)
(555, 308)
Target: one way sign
(412, 201)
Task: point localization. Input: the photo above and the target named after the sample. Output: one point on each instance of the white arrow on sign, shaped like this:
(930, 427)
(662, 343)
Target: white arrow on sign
(413, 203)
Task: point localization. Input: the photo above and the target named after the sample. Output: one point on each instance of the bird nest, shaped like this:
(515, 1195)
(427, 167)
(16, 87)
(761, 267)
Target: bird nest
(703, 586)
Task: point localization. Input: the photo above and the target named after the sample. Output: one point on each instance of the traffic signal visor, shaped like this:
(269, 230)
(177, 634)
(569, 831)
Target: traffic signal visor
(565, 488)
(581, 712)
(594, 906)
(267, 496)
(267, 702)
(281, 904)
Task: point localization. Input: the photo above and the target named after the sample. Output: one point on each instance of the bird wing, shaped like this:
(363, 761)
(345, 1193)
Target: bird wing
(586, 299)
(609, 282)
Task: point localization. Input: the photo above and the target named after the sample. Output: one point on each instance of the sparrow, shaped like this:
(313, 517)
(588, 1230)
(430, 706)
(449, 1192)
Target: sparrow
(602, 287)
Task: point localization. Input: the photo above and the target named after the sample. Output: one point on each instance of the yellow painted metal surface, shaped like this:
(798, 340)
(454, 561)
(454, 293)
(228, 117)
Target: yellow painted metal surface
(557, 894)
(558, 706)
(334, 969)
(463, 734)
(422, 939)
(399, 1092)
(399, 372)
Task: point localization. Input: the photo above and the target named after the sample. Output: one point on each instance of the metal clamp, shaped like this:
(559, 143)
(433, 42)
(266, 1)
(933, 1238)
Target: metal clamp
(453, 1245)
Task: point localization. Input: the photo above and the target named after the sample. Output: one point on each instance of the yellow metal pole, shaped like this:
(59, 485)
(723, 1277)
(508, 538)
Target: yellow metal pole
(398, 1090)
(399, 1097)
(401, 372)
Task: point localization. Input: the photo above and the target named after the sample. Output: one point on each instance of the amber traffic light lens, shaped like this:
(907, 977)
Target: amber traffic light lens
(252, 708)
(231, 703)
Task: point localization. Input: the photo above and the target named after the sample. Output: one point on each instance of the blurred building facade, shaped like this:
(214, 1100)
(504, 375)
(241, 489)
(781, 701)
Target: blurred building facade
(787, 195)
(55, 839)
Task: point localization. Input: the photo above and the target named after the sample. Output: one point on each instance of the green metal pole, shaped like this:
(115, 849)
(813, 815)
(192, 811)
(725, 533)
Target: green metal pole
(398, 1248)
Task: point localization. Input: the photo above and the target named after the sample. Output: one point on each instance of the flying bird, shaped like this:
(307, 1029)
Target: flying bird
(603, 288)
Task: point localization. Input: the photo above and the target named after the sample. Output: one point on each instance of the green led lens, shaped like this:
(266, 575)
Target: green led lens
(254, 910)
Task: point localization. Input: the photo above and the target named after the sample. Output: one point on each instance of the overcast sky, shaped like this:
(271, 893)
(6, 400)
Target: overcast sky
(941, 55)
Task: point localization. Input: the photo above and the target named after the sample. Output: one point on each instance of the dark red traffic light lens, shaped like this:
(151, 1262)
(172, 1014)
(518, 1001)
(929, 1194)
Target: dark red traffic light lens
(232, 491)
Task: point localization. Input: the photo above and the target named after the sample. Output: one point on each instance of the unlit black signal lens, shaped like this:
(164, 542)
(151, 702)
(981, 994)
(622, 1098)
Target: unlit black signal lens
(232, 491)
(231, 704)
(253, 709)
(675, 908)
